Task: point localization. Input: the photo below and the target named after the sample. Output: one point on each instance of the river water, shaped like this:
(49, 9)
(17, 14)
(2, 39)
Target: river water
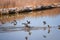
(36, 18)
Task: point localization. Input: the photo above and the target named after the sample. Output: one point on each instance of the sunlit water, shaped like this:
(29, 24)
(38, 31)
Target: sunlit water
(52, 18)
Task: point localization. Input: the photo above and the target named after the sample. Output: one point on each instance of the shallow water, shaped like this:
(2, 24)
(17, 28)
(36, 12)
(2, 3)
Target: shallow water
(52, 18)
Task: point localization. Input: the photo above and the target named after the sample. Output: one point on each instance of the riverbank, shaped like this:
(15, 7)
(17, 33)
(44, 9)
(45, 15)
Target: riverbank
(5, 11)
(49, 13)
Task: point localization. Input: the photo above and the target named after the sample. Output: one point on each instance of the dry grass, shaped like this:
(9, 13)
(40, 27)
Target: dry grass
(22, 3)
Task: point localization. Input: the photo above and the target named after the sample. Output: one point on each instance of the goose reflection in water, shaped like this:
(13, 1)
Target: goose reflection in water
(29, 33)
(49, 28)
(27, 27)
(44, 36)
(44, 22)
(26, 38)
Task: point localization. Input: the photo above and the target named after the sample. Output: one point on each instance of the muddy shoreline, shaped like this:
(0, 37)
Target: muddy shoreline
(6, 11)
(51, 13)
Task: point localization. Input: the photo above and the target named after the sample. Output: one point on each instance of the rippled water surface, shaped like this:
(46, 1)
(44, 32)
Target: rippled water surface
(51, 17)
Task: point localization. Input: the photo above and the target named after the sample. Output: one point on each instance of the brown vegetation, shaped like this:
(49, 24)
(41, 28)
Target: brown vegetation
(50, 13)
(22, 3)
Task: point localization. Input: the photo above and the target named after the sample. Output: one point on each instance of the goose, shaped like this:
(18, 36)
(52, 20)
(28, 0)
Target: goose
(14, 22)
(44, 22)
(58, 26)
(28, 22)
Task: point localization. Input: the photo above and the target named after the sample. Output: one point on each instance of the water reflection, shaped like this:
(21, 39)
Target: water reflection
(34, 23)
(27, 27)
(26, 38)
(29, 33)
(44, 36)
(49, 28)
